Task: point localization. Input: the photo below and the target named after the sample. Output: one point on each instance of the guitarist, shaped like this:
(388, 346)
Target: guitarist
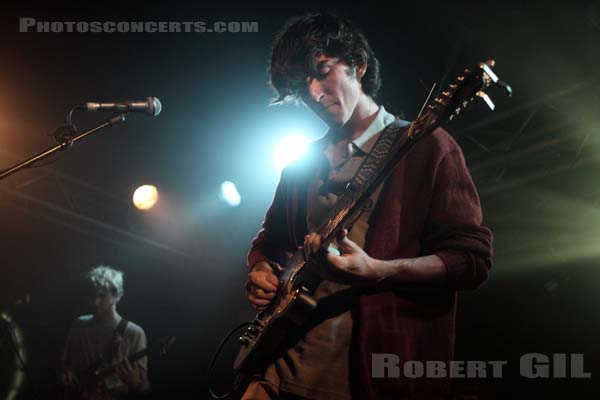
(390, 286)
(102, 340)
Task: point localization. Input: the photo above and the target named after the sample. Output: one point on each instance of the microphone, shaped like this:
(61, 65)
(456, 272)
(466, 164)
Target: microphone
(150, 106)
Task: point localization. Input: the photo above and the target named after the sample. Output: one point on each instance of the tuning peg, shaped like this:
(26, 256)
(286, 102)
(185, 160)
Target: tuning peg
(244, 340)
(253, 330)
(487, 99)
(446, 94)
(453, 86)
(460, 78)
(506, 87)
(488, 74)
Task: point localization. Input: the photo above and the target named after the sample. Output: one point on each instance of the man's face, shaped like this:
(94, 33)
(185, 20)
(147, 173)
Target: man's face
(103, 302)
(334, 93)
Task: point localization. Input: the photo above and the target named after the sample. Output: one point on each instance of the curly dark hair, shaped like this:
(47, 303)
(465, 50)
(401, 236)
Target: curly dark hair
(304, 38)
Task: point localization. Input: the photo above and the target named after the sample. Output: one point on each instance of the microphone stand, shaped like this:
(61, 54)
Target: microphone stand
(65, 142)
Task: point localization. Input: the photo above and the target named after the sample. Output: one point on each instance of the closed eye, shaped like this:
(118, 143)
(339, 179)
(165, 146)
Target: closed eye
(323, 74)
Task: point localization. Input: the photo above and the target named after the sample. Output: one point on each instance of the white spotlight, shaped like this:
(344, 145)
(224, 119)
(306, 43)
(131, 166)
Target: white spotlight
(230, 194)
(145, 197)
(289, 149)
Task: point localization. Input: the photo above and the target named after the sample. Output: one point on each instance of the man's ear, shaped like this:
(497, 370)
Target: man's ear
(361, 70)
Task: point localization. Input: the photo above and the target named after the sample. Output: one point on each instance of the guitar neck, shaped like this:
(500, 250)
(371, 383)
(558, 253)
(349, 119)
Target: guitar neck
(103, 373)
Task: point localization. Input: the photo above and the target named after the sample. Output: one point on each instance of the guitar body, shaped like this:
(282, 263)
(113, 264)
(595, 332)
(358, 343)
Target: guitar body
(256, 353)
(290, 309)
(91, 385)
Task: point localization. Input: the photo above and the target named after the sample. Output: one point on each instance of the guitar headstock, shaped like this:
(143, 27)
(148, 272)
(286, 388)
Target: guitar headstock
(165, 344)
(467, 87)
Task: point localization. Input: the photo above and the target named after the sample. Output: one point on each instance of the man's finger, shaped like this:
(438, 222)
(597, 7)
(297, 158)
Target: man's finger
(268, 284)
(315, 242)
(318, 241)
(259, 302)
(258, 292)
(263, 282)
(342, 234)
(312, 242)
(338, 262)
(273, 280)
(348, 246)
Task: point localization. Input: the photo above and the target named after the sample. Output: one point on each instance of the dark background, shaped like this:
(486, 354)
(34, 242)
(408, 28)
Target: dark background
(534, 161)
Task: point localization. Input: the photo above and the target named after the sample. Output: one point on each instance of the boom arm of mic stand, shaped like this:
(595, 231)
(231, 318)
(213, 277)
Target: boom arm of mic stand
(61, 146)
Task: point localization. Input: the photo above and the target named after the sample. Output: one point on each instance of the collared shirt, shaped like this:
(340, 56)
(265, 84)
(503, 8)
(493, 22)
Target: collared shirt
(317, 366)
(367, 139)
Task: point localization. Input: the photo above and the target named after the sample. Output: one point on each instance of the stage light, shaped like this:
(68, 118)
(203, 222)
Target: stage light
(230, 194)
(145, 197)
(289, 149)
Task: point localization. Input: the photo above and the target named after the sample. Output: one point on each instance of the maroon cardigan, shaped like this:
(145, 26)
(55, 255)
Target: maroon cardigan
(428, 206)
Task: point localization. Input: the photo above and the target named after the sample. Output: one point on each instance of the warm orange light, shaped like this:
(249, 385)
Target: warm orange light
(145, 197)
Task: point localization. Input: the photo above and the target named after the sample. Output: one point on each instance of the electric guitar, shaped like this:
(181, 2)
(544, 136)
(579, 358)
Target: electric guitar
(297, 279)
(89, 382)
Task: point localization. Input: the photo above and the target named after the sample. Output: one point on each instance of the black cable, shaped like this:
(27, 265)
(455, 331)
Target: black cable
(214, 358)
(70, 116)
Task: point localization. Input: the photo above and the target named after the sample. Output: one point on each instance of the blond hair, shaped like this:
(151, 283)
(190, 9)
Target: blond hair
(106, 278)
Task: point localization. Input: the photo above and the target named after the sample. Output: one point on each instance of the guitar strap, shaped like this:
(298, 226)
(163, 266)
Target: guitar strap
(118, 335)
(113, 348)
(390, 139)
(120, 329)
(380, 152)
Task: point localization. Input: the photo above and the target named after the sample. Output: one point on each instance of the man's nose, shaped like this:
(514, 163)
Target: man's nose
(315, 90)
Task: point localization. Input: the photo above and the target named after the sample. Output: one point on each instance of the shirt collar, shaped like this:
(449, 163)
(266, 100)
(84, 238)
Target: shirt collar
(364, 143)
(367, 139)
